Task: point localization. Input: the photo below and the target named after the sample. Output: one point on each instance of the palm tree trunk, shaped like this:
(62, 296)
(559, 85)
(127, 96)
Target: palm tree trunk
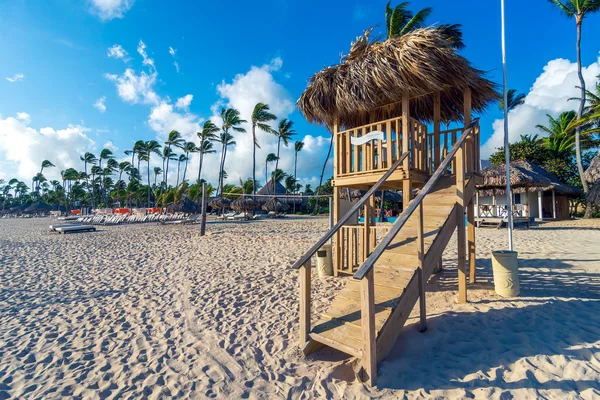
(267, 177)
(148, 179)
(277, 161)
(178, 165)
(132, 158)
(588, 208)
(185, 169)
(221, 167)
(200, 166)
(253, 159)
(167, 171)
(321, 179)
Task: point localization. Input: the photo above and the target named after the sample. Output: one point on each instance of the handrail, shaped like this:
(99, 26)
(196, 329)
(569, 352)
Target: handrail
(347, 216)
(385, 242)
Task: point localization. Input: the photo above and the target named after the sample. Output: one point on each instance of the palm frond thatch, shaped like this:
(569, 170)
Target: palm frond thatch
(593, 195)
(275, 205)
(592, 173)
(40, 206)
(245, 204)
(376, 74)
(184, 205)
(523, 176)
(219, 202)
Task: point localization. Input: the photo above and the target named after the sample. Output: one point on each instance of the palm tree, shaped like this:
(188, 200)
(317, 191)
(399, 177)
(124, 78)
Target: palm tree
(167, 155)
(400, 21)
(322, 173)
(561, 141)
(290, 184)
(138, 145)
(231, 121)
(260, 117)
(579, 9)
(298, 146)
(157, 171)
(207, 136)
(190, 147)
(270, 158)
(308, 188)
(88, 158)
(284, 133)
(151, 146)
(180, 159)
(514, 99)
(176, 140)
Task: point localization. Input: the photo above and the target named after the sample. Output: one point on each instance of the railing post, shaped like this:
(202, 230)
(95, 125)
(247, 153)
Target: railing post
(369, 358)
(406, 184)
(471, 241)
(436, 129)
(460, 224)
(337, 242)
(471, 139)
(305, 288)
(422, 277)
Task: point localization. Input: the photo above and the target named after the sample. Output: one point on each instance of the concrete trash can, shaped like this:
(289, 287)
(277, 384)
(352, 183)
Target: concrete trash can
(324, 263)
(505, 266)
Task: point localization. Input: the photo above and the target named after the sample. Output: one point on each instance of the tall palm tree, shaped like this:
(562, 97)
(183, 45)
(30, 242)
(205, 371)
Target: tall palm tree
(176, 140)
(88, 158)
(137, 146)
(157, 171)
(231, 122)
(260, 117)
(400, 21)
(180, 159)
(270, 158)
(579, 9)
(167, 155)
(298, 146)
(207, 136)
(322, 173)
(284, 133)
(190, 147)
(151, 146)
(514, 99)
(45, 164)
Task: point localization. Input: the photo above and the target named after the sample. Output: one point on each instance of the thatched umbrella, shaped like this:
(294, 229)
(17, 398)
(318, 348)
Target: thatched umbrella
(377, 74)
(18, 208)
(40, 206)
(592, 173)
(184, 205)
(275, 205)
(245, 204)
(523, 176)
(220, 203)
(593, 195)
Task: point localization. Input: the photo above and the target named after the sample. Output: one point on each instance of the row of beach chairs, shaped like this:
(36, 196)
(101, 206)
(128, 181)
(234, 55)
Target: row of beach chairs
(135, 219)
(233, 216)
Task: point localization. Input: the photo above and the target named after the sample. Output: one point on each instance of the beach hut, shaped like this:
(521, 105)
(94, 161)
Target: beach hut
(272, 188)
(384, 105)
(184, 205)
(537, 194)
(275, 205)
(592, 173)
(39, 207)
(18, 208)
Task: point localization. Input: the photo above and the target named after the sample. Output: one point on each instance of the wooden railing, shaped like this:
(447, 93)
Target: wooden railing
(377, 155)
(355, 248)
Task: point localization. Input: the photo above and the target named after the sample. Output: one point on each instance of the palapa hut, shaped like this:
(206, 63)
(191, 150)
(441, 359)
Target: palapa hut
(592, 176)
(39, 207)
(184, 205)
(245, 204)
(219, 203)
(272, 188)
(537, 194)
(275, 205)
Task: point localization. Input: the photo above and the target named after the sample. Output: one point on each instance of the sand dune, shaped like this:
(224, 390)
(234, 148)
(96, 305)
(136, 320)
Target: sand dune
(156, 311)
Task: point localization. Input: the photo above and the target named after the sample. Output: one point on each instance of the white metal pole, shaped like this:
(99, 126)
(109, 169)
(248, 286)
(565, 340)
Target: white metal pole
(506, 148)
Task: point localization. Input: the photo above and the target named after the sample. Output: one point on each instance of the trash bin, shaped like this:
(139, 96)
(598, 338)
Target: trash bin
(505, 266)
(324, 264)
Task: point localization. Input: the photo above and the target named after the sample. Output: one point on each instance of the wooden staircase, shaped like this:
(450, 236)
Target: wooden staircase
(396, 283)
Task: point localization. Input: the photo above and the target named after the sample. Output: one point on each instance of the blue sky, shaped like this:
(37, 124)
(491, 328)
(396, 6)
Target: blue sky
(229, 53)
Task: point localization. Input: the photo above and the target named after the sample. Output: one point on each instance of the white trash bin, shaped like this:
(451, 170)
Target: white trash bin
(505, 266)
(324, 264)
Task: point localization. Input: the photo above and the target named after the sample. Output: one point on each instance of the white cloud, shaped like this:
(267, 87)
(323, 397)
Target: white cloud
(134, 88)
(176, 64)
(110, 9)
(142, 50)
(110, 146)
(184, 102)
(18, 77)
(117, 51)
(549, 95)
(24, 148)
(23, 116)
(99, 104)
(172, 51)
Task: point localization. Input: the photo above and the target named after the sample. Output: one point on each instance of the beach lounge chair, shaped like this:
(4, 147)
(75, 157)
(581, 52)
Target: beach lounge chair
(75, 228)
(190, 220)
(54, 227)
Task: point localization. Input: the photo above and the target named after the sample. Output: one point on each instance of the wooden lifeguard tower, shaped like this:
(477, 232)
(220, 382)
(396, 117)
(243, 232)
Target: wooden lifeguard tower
(378, 103)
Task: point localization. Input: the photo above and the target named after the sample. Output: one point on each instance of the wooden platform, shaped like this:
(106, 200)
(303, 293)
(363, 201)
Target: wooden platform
(395, 279)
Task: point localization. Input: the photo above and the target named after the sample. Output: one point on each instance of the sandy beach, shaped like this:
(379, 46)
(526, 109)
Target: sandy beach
(156, 311)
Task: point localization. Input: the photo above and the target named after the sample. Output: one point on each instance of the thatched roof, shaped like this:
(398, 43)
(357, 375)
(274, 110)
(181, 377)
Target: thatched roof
(275, 205)
(219, 202)
(376, 74)
(18, 208)
(593, 195)
(523, 176)
(245, 204)
(40, 206)
(592, 173)
(184, 205)
(268, 188)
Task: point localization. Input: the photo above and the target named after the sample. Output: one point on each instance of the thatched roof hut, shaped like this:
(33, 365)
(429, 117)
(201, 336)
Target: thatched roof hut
(219, 202)
(592, 173)
(245, 204)
(18, 208)
(524, 176)
(184, 205)
(272, 188)
(593, 195)
(275, 205)
(40, 206)
(376, 74)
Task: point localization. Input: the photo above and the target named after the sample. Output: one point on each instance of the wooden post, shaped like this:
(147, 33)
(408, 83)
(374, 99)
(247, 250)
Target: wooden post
(460, 223)
(540, 213)
(366, 246)
(369, 358)
(471, 242)
(470, 153)
(477, 203)
(553, 204)
(337, 243)
(436, 129)
(304, 279)
(406, 184)
(421, 277)
(203, 222)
